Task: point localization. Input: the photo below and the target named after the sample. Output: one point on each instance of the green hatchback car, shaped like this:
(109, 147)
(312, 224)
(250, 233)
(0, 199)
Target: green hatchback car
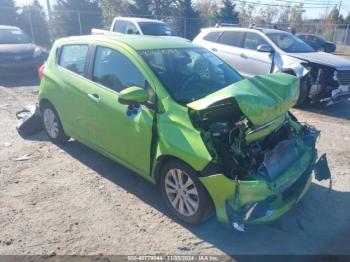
(183, 119)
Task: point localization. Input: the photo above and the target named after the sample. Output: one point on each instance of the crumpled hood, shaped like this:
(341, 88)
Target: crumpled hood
(323, 58)
(261, 99)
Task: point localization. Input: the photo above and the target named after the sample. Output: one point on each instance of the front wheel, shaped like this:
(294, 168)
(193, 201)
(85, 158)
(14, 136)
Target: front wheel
(184, 194)
(52, 124)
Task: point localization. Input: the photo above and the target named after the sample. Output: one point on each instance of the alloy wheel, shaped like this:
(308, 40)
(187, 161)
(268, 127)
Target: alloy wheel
(181, 192)
(50, 123)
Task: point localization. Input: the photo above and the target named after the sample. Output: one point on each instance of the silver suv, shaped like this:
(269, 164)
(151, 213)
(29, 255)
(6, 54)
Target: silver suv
(253, 51)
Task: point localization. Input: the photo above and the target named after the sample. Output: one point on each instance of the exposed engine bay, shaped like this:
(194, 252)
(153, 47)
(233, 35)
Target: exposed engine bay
(247, 152)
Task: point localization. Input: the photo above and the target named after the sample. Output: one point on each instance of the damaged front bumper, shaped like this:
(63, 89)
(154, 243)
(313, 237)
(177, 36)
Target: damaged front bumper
(339, 94)
(241, 203)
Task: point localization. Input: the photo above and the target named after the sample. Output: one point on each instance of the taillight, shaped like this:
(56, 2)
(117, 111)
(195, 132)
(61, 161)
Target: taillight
(41, 71)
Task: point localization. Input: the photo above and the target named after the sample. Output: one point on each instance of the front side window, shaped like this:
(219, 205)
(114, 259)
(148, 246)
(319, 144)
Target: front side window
(73, 57)
(253, 40)
(14, 36)
(115, 71)
(189, 74)
(232, 38)
(290, 43)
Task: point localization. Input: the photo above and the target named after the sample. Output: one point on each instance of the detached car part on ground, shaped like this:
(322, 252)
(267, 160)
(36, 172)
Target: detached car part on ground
(183, 119)
(253, 51)
(18, 54)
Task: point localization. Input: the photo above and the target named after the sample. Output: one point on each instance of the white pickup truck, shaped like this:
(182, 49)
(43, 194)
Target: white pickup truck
(137, 26)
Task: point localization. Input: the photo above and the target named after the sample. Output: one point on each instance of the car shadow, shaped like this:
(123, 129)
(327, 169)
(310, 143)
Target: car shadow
(311, 227)
(20, 81)
(338, 110)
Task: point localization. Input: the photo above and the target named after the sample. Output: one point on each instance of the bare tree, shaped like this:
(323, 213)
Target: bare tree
(207, 10)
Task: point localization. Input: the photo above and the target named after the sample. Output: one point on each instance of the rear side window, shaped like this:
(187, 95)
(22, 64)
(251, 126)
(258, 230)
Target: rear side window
(212, 36)
(253, 40)
(119, 26)
(232, 38)
(73, 57)
(115, 71)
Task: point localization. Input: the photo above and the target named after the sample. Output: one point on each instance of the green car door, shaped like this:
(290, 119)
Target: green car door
(71, 97)
(122, 131)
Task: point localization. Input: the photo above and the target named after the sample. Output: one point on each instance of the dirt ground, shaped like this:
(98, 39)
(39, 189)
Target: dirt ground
(72, 200)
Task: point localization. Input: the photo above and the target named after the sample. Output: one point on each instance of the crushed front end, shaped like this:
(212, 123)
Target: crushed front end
(261, 162)
(327, 84)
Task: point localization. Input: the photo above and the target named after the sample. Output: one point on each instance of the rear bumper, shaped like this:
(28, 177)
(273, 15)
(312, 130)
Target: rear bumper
(254, 202)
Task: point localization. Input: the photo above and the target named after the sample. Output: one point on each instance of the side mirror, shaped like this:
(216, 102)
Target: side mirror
(265, 48)
(133, 95)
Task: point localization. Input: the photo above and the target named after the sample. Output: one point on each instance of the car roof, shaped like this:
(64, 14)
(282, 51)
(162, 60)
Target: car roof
(137, 42)
(253, 29)
(310, 35)
(8, 27)
(138, 19)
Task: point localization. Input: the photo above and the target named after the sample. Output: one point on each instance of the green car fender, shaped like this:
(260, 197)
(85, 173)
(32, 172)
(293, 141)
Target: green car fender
(176, 137)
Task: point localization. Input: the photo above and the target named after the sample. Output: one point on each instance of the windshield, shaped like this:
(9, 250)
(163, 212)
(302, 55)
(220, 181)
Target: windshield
(290, 43)
(13, 36)
(149, 28)
(189, 73)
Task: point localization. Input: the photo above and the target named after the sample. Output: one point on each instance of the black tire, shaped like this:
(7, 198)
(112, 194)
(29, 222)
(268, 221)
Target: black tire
(303, 98)
(205, 204)
(61, 137)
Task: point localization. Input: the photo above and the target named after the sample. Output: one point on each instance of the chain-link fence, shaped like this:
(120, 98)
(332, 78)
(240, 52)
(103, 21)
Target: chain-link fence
(44, 28)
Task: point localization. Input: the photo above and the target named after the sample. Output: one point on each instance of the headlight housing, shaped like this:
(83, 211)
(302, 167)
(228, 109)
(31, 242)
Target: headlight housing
(37, 52)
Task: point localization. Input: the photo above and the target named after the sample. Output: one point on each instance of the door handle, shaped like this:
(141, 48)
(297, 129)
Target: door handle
(94, 97)
(214, 49)
(243, 55)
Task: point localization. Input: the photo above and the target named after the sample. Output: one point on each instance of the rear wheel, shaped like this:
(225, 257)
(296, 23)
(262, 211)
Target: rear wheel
(184, 194)
(52, 124)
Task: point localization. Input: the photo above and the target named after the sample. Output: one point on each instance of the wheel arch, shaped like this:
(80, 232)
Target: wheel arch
(161, 161)
(44, 101)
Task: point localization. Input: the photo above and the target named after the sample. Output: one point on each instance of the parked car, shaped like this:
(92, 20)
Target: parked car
(137, 26)
(18, 54)
(317, 42)
(253, 51)
(183, 119)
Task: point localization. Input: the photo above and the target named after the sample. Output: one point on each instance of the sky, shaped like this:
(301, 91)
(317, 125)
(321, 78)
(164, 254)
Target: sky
(314, 8)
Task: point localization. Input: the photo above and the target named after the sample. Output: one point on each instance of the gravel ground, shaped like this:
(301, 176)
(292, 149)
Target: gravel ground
(71, 200)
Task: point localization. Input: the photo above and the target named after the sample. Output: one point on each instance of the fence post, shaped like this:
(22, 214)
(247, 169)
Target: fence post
(185, 27)
(31, 24)
(346, 35)
(334, 33)
(79, 21)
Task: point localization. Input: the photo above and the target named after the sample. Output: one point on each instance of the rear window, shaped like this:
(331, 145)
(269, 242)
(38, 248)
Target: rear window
(119, 26)
(73, 57)
(232, 38)
(212, 36)
(13, 36)
(150, 28)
